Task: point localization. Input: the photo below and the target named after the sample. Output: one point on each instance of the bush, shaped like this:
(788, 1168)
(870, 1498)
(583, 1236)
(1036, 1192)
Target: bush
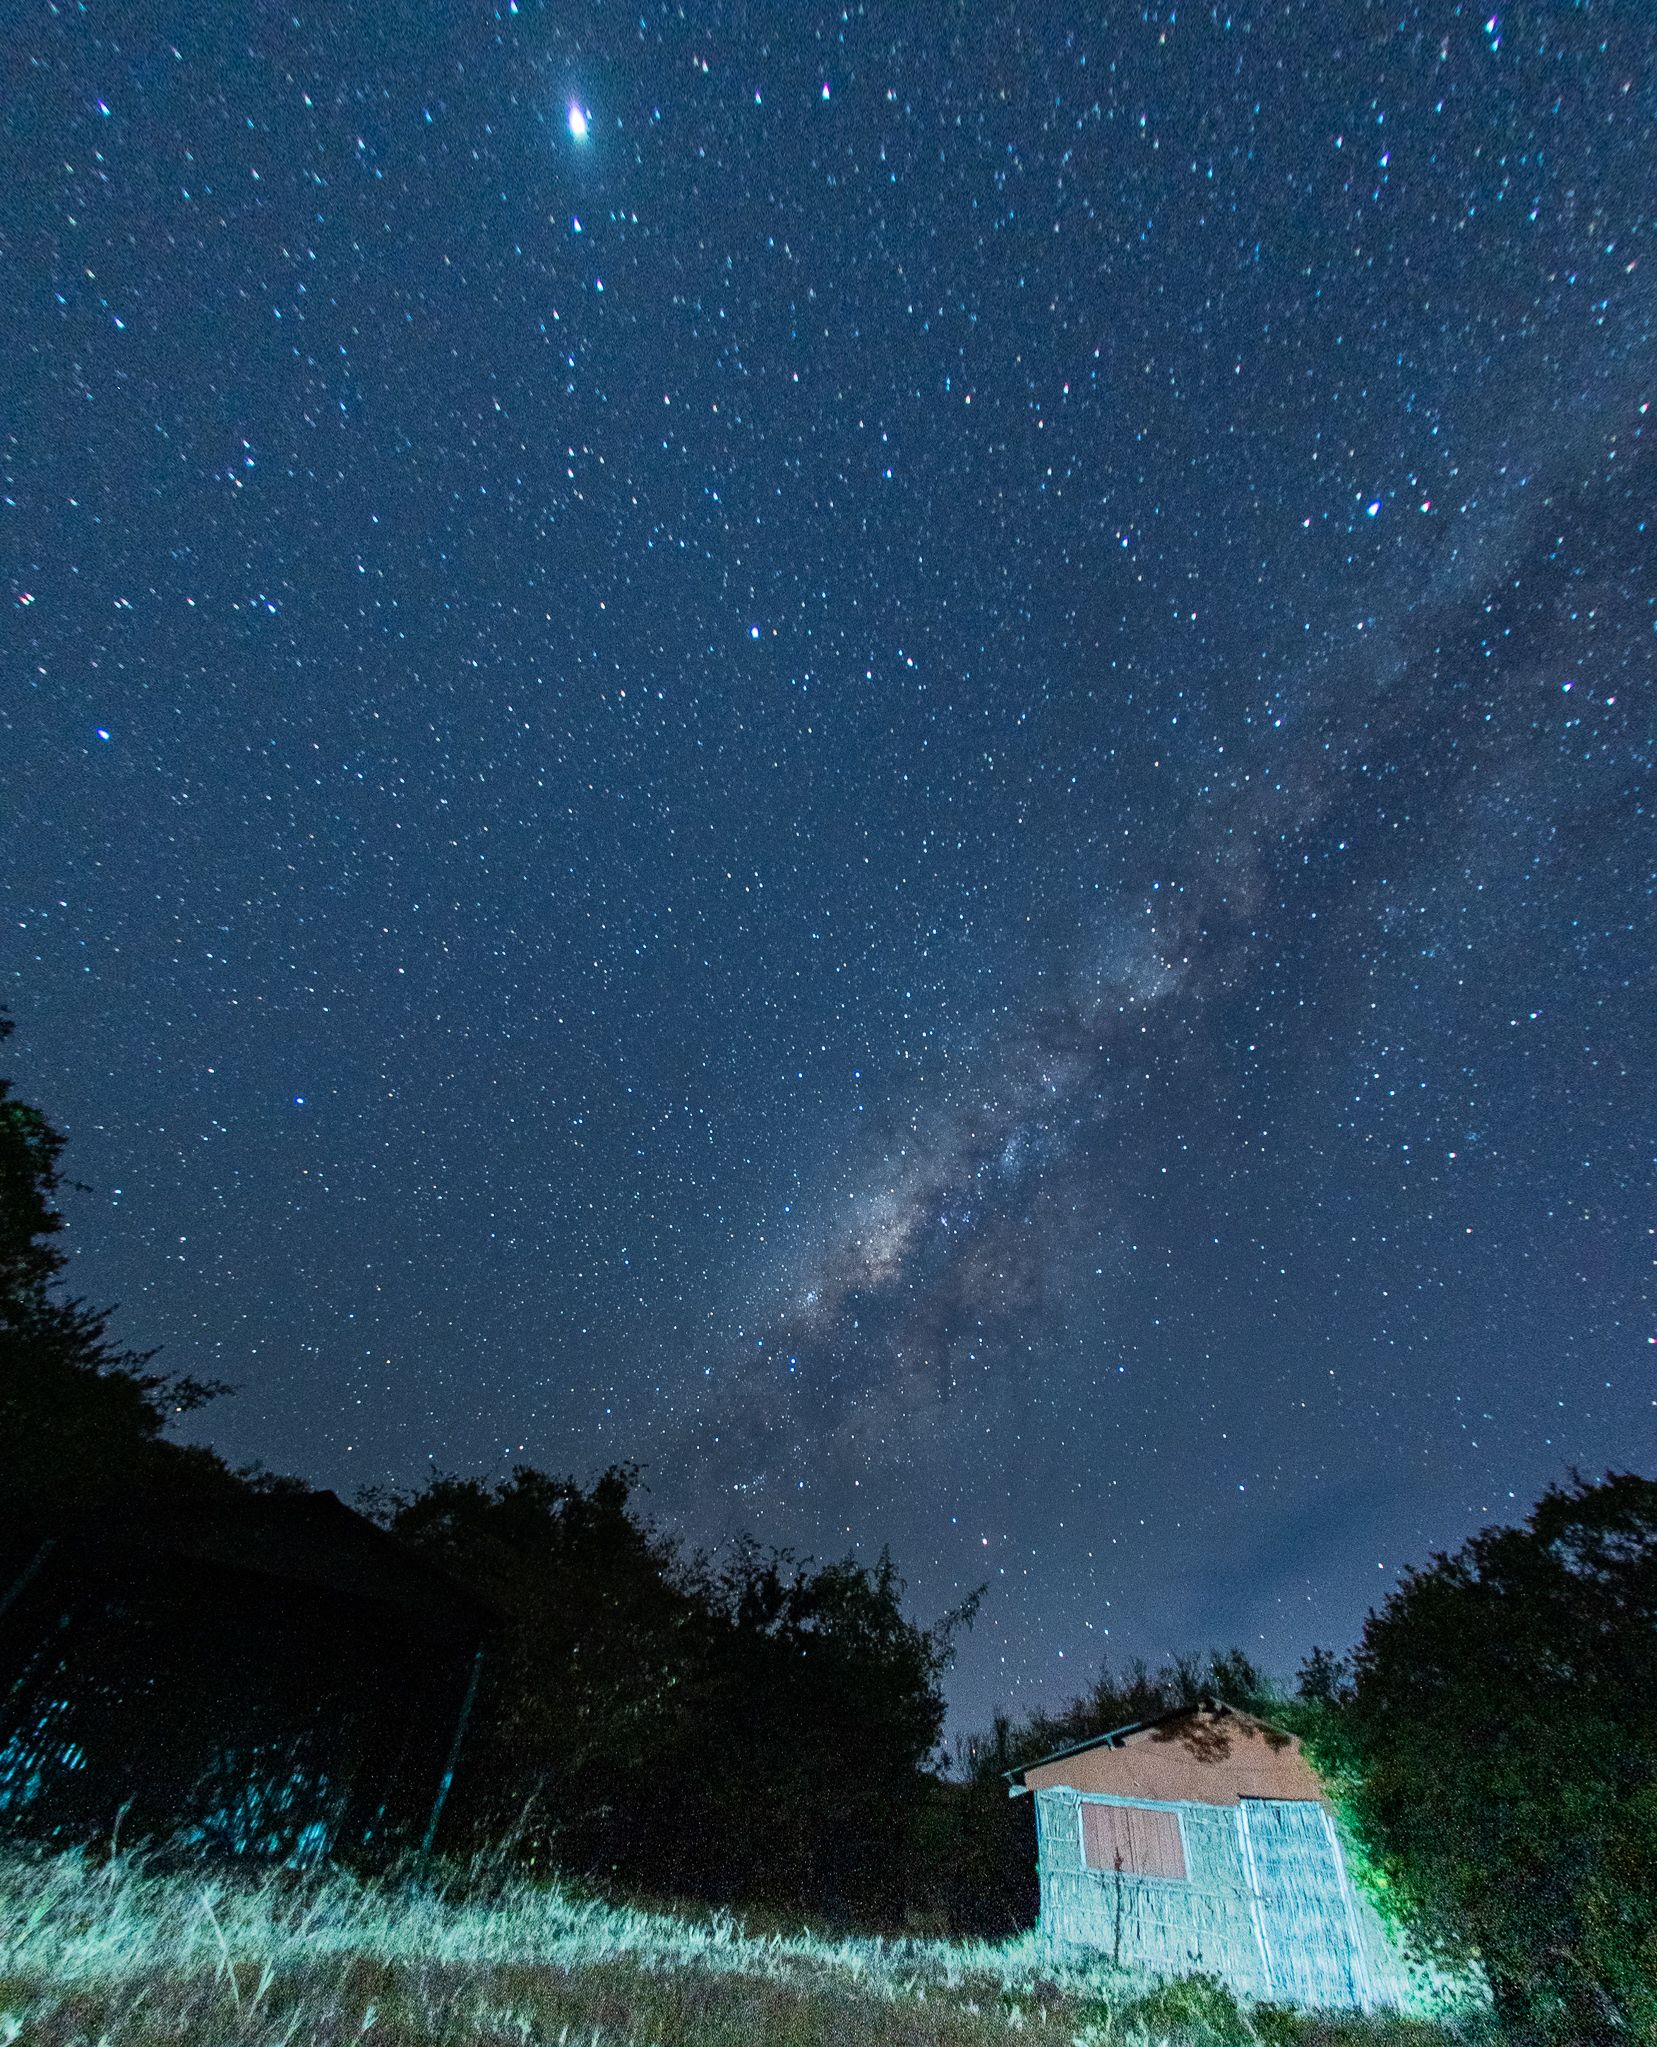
(1498, 1751)
(1198, 2009)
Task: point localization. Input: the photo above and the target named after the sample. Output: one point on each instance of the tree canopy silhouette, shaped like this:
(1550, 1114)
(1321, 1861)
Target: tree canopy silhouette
(755, 1730)
(1498, 1747)
(81, 1415)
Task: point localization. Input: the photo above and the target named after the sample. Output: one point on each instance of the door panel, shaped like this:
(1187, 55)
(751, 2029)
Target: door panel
(1303, 1913)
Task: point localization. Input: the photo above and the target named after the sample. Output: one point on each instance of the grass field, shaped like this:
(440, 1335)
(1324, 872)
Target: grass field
(118, 1954)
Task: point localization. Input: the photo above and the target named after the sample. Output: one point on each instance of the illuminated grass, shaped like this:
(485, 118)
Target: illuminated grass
(119, 1955)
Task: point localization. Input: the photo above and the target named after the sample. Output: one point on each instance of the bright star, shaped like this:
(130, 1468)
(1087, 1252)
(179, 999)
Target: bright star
(578, 122)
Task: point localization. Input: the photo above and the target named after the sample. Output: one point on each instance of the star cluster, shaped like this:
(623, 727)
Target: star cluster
(898, 757)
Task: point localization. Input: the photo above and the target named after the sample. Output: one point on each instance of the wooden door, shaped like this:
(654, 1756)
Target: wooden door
(1302, 1905)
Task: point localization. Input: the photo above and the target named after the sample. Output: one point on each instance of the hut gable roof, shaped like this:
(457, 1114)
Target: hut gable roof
(250, 1673)
(1208, 1753)
(307, 1539)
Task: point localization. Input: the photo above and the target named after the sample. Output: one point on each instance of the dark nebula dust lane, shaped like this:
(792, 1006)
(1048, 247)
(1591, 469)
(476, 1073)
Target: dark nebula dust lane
(902, 761)
(988, 1188)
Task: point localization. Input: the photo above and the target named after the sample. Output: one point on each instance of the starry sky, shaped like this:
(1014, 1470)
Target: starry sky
(897, 756)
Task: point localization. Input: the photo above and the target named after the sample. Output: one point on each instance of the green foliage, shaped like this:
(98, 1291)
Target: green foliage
(1498, 1752)
(1197, 2008)
(756, 1730)
(1281, 2026)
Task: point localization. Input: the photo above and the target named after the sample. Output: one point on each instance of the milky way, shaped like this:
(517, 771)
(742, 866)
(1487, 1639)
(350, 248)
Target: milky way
(989, 1189)
(898, 758)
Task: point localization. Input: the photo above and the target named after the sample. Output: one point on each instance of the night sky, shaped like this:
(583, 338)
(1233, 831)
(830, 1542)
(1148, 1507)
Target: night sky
(897, 756)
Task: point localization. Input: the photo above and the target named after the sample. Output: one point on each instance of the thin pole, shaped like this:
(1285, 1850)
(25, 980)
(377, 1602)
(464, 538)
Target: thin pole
(454, 1754)
(29, 1571)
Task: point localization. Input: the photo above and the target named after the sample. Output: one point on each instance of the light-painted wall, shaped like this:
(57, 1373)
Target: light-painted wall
(1164, 1925)
(1228, 1917)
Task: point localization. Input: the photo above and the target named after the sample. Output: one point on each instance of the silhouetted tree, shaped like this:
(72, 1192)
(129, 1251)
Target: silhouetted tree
(1498, 1749)
(1119, 1699)
(981, 1843)
(1324, 1679)
(753, 1732)
(81, 1416)
(829, 1704)
(584, 1691)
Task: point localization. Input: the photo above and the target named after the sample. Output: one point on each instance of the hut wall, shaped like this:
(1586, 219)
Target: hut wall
(1163, 1925)
(1267, 1905)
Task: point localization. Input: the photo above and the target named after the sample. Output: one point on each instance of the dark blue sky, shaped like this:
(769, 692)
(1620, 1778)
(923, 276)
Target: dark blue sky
(897, 756)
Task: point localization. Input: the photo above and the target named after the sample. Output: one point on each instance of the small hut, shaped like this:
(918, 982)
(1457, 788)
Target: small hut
(258, 1674)
(1201, 1842)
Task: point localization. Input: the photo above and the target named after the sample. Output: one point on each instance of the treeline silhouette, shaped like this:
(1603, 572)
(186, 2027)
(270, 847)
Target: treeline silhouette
(753, 1728)
(763, 1730)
